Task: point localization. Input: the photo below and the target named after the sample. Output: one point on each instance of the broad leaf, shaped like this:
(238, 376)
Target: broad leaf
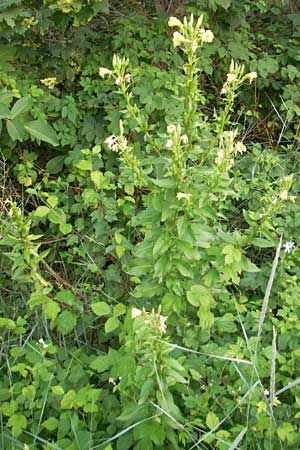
(42, 131)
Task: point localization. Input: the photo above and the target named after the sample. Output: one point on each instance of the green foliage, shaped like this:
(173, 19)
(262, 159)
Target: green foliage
(144, 303)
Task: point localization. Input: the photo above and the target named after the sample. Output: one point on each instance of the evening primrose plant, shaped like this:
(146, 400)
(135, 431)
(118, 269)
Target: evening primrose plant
(187, 259)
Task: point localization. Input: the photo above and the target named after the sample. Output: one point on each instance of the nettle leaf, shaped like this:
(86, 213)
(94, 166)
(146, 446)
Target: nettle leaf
(101, 309)
(42, 131)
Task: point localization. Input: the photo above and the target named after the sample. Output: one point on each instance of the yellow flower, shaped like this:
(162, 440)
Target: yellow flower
(174, 22)
(240, 147)
(49, 82)
(178, 39)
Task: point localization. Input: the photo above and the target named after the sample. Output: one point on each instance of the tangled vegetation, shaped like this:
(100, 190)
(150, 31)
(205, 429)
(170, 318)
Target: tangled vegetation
(149, 195)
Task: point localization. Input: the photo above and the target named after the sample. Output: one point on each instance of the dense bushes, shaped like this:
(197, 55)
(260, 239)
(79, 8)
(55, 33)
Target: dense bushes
(149, 264)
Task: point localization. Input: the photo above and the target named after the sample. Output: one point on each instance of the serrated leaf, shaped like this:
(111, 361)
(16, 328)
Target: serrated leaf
(101, 309)
(42, 131)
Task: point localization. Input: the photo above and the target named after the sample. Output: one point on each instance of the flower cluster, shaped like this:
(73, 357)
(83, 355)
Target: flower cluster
(154, 320)
(122, 79)
(49, 82)
(175, 137)
(235, 78)
(190, 35)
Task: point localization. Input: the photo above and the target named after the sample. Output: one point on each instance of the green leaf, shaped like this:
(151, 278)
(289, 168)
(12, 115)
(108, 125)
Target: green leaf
(4, 112)
(84, 164)
(66, 322)
(263, 243)
(111, 324)
(101, 309)
(7, 323)
(97, 178)
(65, 228)
(66, 296)
(41, 211)
(22, 105)
(183, 268)
(51, 424)
(38, 299)
(212, 420)
(15, 129)
(200, 296)
(42, 131)
(17, 422)
(55, 165)
(145, 391)
(57, 216)
(101, 363)
(52, 310)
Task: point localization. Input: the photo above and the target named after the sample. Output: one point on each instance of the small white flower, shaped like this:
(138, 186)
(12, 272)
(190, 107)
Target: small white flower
(185, 139)
(111, 381)
(182, 195)
(128, 78)
(43, 343)
(266, 392)
(206, 35)
(112, 143)
(224, 90)
(135, 312)
(252, 76)
(103, 71)
(288, 246)
(240, 147)
(162, 324)
(174, 22)
(169, 143)
(119, 81)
